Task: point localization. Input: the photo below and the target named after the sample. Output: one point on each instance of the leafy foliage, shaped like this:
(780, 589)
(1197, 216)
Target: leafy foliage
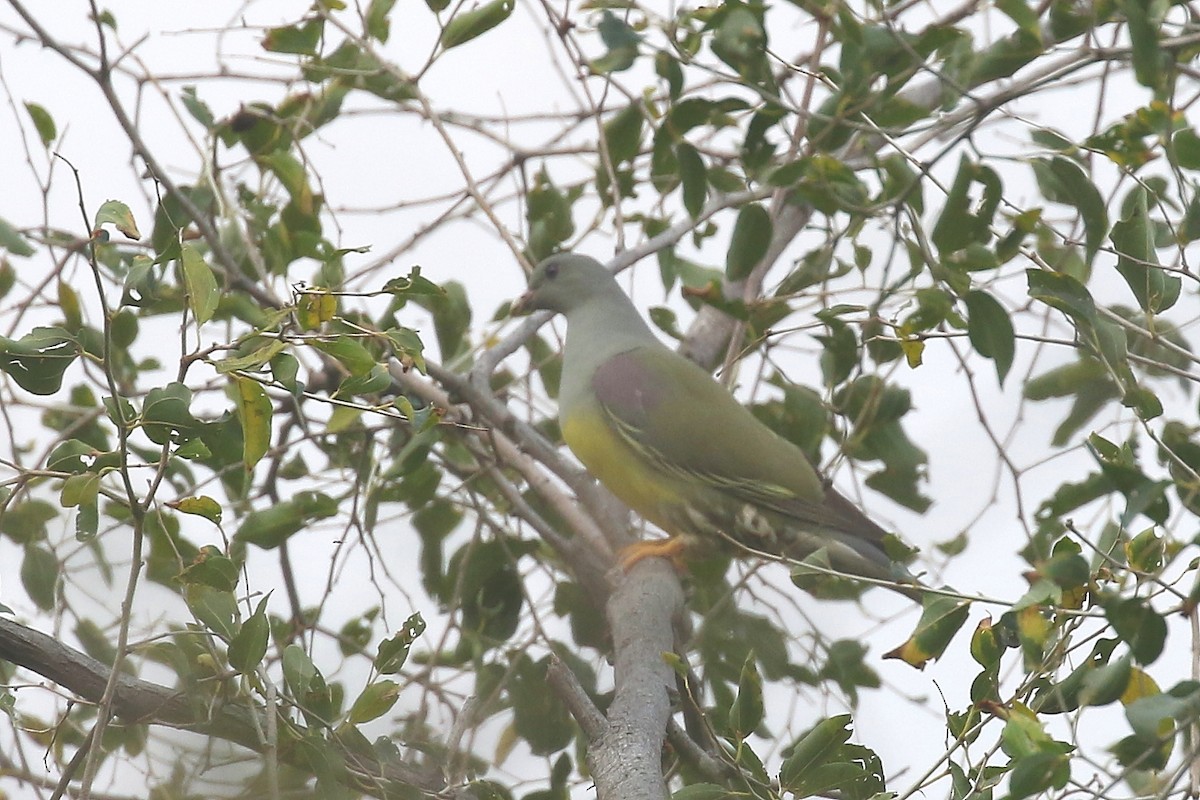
(334, 511)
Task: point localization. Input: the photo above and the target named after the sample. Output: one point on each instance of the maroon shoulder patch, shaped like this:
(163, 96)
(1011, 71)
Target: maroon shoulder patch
(625, 385)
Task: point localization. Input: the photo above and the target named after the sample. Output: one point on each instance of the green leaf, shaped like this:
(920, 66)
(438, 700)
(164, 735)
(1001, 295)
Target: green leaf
(539, 717)
(193, 450)
(12, 240)
(38, 360)
(1068, 694)
(1023, 733)
(1038, 772)
(299, 672)
(202, 290)
(119, 215)
(197, 107)
(40, 576)
(1061, 291)
(623, 134)
(1064, 181)
(374, 382)
(814, 749)
(301, 39)
(80, 490)
(87, 521)
(1035, 633)
(69, 457)
(270, 527)
(963, 222)
(464, 27)
(492, 589)
(451, 311)
(285, 369)
(393, 652)
(750, 240)
(254, 414)
(44, 123)
(746, 714)
(377, 22)
(990, 330)
(216, 609)
(839, 354)
(622, 43)
(694, 178)
(667, 68)
(1019, 12)
(664, 166)
(1107, 683)
(407, 347)
(252, 360)
(846, 665)
(985, 645)
(249, 645)
(349, 353)
(548, 214)
(1153, 716)
(823, 760)
(292, 173)
(68, 303)
(375, 701)
(96, 642)
(24, 522)
(1139, 626)
(167, 417)
(1137, 259)
(1146, 552)
(1150, 62)
(413, 284)
(212, 568)
(1185, 146)
(741, 42)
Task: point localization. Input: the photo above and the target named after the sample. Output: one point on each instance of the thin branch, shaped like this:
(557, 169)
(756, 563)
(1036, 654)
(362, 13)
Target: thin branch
(564, 683)
(138, 701)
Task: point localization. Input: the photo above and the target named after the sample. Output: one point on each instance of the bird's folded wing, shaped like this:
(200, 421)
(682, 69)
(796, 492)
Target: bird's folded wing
(676, 417)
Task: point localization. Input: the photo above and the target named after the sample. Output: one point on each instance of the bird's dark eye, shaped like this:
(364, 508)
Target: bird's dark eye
(552, 270)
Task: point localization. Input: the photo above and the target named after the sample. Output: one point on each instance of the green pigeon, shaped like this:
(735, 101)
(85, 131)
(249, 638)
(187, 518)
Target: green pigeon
(677, 448)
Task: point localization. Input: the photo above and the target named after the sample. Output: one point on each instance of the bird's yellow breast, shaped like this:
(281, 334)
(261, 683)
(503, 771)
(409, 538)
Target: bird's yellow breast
(620, 468)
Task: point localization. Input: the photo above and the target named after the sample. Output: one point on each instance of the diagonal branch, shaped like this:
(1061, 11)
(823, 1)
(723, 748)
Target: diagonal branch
(139, 701)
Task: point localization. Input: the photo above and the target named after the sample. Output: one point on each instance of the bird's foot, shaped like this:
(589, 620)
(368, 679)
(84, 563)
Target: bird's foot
(671, 549)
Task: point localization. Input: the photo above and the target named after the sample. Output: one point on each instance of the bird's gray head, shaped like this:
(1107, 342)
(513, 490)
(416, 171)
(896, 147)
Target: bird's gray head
(563, 282)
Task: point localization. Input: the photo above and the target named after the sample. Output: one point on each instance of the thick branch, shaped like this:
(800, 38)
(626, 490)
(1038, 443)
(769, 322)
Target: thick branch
(139, 701)
(626, 760)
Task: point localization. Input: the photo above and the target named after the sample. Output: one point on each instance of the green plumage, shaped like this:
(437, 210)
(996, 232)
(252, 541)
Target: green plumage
(673, 444)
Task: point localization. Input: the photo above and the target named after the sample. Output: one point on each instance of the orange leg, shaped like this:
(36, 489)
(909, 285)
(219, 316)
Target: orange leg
(671, 548)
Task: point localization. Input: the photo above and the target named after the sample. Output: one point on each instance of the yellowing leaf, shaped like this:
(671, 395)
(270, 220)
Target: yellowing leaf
(117, 213)
(201, 506)
(254, 412)
(1140, 685)
(941, 618)
(913, 350)
(314, 308)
